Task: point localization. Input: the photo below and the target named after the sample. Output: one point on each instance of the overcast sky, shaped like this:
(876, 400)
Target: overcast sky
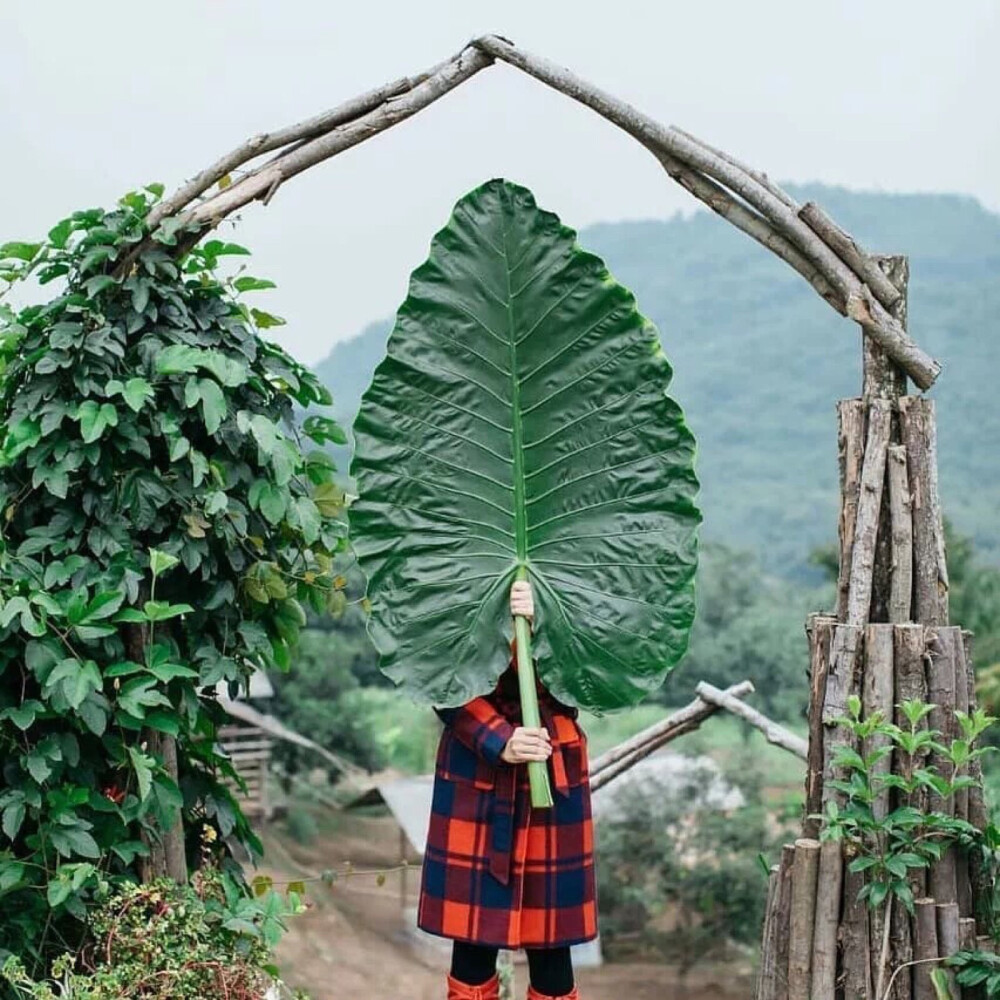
(98, 97)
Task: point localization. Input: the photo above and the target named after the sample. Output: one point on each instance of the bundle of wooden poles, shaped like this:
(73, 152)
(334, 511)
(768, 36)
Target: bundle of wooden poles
(889, 642)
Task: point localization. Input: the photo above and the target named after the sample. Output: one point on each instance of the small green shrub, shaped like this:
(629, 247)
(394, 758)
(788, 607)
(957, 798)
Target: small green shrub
(680, 880)
(887, 847)
(207, 939)
(301, 826)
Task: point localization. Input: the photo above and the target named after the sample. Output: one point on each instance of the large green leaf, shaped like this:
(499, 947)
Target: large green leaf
(520, 418)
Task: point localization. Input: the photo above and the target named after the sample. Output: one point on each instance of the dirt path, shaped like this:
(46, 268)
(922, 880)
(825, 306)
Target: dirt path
(353, 943)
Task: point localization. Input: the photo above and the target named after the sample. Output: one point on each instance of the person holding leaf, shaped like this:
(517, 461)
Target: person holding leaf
(520, 427)
(498, 873)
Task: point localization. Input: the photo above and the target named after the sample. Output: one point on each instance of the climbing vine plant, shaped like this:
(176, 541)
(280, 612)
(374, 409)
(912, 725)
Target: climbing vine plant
(166, 512)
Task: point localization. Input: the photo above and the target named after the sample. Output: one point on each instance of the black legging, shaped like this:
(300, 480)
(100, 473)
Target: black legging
(550, 969)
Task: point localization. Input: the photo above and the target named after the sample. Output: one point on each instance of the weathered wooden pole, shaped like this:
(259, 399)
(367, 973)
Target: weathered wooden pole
(888, 643)
(772, 976)
(802, 918)
(167, 855)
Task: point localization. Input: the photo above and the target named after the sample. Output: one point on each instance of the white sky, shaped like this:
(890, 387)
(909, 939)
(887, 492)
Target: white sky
(106, 95)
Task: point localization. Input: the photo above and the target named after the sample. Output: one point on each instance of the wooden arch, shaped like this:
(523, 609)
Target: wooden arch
(841, 272)
(889, 639)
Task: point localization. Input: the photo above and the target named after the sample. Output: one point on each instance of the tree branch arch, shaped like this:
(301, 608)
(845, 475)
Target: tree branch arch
(841, 272)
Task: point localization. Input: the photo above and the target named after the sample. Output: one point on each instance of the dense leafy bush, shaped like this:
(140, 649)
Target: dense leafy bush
(162, 526)
(301, 826)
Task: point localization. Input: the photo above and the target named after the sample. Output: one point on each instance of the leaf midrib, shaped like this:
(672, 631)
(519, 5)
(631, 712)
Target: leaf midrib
(517, 437)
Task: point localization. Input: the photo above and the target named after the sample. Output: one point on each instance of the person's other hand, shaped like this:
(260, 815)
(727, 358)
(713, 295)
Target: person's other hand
(522, 601)
(526, 744)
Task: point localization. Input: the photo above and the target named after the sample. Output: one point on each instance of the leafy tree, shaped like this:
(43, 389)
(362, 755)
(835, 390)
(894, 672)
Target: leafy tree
(311, 697)
(162, 527)
(749, 626)
(680, 879)
(974, 599)
(347, 637)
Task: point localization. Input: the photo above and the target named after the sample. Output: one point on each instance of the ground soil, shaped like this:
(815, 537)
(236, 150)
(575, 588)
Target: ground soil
(353, 943)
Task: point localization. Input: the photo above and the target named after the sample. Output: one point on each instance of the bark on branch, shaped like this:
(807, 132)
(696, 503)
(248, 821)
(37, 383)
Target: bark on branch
(710, 699)
(846, 277)
(848, 250)
(862, 305)
(619, 759)
(267, 142)
(773, 732)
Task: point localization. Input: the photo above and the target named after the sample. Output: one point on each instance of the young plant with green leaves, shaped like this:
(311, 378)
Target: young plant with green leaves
(889, 844)
(519, 428)
(162, 524)
(976, 970)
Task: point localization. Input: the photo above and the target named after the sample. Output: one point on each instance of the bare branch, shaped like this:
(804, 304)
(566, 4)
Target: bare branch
(773, 731)
(860, 262)
(620, 758)
(758, 175)
(754, 225)
(266, 142)
(861, 304)
(390, 112)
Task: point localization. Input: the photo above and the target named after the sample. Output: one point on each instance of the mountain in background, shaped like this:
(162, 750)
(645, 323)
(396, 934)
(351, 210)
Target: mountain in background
(760, 361)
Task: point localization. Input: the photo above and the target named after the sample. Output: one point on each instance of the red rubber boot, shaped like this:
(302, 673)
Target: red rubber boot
(533, 994)
(457, 990)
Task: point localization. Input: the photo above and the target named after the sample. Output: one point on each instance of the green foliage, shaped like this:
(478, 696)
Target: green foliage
(162, 528)
(210, 938)
(678, 880)
(886, 847)
(974, 969)
(315, 697)
(974, 600)
(301, 826)
(749, 626)
(347, 637)
(406, 735)
(760, 361)
(520, 422)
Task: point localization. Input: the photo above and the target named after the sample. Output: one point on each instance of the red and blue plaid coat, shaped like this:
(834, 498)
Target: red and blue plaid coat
(497, 871)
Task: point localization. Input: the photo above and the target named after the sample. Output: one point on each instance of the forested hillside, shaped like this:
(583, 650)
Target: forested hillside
(760, 361)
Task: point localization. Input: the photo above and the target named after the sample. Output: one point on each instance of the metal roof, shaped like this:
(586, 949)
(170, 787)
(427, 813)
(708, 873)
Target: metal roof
(409, 800)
